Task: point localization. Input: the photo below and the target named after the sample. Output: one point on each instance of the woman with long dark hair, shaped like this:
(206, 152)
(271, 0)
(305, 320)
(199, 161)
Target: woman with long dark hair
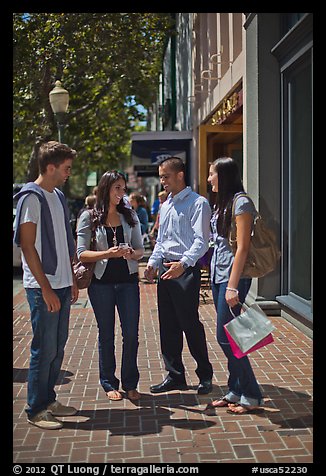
(229, 286)
(119, 246)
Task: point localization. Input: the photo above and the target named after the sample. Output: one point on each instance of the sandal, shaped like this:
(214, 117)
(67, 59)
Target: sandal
(133, 395)
(244, 409)
(223, 402)
(114, 395)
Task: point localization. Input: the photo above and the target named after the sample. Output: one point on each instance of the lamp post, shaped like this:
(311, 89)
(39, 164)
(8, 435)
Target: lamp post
(59, 100)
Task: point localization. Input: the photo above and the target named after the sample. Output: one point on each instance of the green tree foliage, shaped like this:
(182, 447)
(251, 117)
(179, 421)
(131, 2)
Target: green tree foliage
(109, 63)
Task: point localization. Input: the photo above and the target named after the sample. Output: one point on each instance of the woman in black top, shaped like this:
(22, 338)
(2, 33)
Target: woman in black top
(115, 281)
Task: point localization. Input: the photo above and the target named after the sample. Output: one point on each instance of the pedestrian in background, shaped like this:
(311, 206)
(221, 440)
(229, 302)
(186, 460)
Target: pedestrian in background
(115, 283)
(90, 201)
(162, 196)
(182, 239)
(43, 231)
(155, 208)
(89, 204)
(137, 202)
(229, 286)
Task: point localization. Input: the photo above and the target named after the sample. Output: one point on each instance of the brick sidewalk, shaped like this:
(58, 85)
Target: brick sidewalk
(166, 428)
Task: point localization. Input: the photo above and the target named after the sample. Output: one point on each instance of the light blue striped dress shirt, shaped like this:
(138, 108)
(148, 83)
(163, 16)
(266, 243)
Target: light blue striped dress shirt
(184, 229)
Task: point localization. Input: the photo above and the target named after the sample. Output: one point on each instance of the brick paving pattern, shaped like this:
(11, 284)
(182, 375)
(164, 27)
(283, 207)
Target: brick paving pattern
(169, 427)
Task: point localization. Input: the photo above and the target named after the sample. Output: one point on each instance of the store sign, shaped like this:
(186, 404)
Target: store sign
(149, 166)
(228, 106)
(157, 157)
(149, 148)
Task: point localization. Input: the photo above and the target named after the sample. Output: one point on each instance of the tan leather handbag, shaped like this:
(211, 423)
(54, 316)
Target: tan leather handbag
(263, 253)
(84, 271)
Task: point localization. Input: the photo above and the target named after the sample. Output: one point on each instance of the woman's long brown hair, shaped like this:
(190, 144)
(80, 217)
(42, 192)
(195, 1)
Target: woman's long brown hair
(103, 198)
(229, 183)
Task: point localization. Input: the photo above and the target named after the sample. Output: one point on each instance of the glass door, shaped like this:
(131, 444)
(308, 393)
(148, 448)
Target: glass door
(298, 179)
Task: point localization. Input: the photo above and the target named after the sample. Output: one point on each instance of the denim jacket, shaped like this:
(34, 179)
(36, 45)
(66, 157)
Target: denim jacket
(132, 235)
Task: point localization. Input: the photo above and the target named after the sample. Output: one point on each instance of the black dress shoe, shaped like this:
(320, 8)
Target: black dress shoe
(205, 387)
(167, 385)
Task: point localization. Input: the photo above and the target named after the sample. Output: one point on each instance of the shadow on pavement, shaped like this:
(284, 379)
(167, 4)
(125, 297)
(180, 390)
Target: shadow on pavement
(20, 376)
(284, 410)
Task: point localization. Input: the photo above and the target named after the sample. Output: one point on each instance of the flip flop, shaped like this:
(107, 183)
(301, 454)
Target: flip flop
(210, 409)
(244, 410)
(114, 395)
(133, 395)
(223, 402)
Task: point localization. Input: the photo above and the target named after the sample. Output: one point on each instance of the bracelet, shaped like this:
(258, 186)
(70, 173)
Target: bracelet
(233, 289)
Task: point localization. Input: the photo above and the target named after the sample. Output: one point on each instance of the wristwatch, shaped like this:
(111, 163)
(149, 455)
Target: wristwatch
(184, 265)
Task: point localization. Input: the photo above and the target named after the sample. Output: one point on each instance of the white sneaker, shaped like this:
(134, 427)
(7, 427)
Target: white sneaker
(57, 409)
(46, 421)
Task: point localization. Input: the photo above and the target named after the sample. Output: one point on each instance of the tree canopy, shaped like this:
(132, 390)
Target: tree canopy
(109, 63)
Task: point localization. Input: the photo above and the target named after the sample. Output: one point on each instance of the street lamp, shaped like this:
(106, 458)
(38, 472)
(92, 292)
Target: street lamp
(59, 100)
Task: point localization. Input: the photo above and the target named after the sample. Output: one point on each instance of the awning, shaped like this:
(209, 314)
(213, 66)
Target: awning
(148, 148)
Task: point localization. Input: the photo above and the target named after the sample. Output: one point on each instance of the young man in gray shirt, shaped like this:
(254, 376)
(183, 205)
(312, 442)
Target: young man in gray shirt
(43, 231)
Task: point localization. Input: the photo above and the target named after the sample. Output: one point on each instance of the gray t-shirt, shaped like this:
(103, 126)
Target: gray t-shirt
(222, 259)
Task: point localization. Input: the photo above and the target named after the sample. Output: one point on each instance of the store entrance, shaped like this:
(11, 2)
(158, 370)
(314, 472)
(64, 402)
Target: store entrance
(218, 147)
(215, 141)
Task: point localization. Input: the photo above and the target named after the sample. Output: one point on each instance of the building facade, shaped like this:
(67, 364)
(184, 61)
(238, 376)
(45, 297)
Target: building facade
(242, 84)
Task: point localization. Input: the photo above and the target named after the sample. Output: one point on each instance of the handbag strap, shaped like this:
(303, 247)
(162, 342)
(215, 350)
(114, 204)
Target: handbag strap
(232, 229)
(244, 194)
(94, 221)
(233, 238)
(238, 195)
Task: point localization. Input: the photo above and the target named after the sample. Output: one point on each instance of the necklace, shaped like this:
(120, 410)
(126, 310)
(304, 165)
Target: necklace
(114, 231)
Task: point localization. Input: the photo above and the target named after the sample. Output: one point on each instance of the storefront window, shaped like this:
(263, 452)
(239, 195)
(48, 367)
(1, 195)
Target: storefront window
(298, 107)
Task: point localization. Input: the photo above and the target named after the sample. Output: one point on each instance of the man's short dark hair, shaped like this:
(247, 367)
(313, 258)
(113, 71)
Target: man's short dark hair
(55, 153)
(175, 163)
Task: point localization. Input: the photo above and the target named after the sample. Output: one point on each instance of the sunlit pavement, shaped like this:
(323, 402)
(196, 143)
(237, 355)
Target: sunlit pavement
(169, 427)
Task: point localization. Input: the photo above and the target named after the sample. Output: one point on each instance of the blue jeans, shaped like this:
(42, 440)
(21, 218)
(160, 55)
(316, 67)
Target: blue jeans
(242, 383)
(104, 298)
(50, 334)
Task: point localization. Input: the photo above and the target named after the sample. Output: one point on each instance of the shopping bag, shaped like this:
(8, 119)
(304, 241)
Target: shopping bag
(249, 328)
(238, 353)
